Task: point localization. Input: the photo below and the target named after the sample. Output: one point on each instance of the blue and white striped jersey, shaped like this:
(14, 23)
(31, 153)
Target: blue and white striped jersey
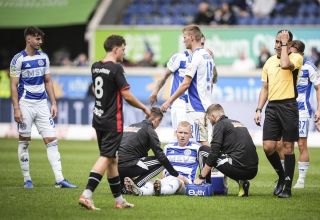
(177, 65)
(308, 75)
(31, 71)
(183, 159)
(201, 71)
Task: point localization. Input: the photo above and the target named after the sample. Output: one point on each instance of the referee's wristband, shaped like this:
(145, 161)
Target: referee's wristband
(259, 109)
(201, 177)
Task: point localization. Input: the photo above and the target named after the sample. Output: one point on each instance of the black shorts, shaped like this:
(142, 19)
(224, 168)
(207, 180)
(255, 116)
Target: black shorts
(237, 173)
(281, 121)
(109, 142)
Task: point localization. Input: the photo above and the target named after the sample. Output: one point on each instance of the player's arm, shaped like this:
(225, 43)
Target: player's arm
(49, 88)
(214, 78)
(284, 57)
(211, 161)
(132, 100)
(158, 152)
(160, 84)
(181, 90)
(14, 82)
(263, 96)
(15, 71)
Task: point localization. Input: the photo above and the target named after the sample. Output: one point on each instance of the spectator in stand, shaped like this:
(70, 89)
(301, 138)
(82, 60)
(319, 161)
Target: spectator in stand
(262, 8)
(204, 15)
(263, 56)
(128, 63)
(241, 7)
(225, 15)
(81, 60)
(243, 63)
(61, 57)
(147, 60)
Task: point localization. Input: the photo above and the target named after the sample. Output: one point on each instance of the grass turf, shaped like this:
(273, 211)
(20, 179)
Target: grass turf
(46, 202)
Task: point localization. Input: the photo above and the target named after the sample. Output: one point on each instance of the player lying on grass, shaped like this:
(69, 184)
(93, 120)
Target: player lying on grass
(183, 155)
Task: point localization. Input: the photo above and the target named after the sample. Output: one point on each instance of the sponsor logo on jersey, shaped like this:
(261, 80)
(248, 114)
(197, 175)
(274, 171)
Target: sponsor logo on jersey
(98, 112)
(98, 103)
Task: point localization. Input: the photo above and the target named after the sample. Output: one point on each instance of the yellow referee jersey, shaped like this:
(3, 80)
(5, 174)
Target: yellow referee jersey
(281, 83)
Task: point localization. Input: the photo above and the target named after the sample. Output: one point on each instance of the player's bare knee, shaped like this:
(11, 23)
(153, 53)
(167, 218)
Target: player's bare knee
(269, 147)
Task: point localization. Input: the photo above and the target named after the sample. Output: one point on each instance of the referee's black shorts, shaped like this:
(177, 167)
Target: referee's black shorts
(109, 142)
(281, 121)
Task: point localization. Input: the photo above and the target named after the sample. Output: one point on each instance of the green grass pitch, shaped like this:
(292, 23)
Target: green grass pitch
(47, 202)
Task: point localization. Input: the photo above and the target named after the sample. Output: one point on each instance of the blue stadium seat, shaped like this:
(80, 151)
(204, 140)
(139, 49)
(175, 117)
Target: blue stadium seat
(243, 20)
(265, 21)
(310, 20)
(287, 20)
(298, 20)
(276, 20)
(181, 12)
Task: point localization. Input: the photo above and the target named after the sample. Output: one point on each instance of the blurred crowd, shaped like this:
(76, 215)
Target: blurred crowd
(229, 11)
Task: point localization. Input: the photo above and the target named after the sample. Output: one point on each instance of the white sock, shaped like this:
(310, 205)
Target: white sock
(23, 156)
(119, 199)
(87, 193)
(55, 160)
(147, 189)
(169, 186)
(282, 163)
(303, 168)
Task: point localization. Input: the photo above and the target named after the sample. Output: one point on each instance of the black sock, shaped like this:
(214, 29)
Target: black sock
(275, 161)
(93, 181)
(115, 186)
(289, 164)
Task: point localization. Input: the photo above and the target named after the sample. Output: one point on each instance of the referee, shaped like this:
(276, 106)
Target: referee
(279, 77)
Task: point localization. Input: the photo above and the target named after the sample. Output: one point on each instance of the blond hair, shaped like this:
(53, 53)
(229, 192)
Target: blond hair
(184, 124)
(194, 30)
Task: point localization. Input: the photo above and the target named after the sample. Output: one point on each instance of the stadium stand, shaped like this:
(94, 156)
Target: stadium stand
(174, 12)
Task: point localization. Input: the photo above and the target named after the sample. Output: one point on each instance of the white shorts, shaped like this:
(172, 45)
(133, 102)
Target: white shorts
(199, 125)
(303, 127)
(39, 114)
(168, 180)
(178, 113)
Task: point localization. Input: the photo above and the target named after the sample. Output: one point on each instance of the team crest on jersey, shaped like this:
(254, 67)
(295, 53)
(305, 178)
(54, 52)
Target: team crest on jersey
(22, 126)
(187, 152)
(40, 62)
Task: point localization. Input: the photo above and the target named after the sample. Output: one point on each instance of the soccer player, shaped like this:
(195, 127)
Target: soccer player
(183, 155)
(30, 86)
(232, 150)
(110, 86)
(177, 67)
(197, 80)
(279, 77)
(137, 140)
(308, 75)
